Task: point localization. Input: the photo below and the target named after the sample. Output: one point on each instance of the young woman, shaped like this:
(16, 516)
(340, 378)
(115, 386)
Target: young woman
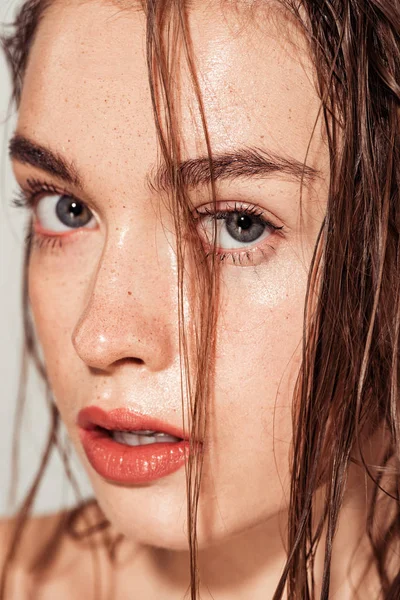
(212, 273)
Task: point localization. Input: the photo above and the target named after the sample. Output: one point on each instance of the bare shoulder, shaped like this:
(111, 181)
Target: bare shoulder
(50, 549)
(29, 538)
(7, 526)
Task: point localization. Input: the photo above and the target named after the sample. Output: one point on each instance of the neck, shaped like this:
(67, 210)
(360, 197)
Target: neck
(244, 566)
(250, 563)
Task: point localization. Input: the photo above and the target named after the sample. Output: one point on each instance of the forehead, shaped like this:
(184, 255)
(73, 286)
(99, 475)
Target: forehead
(87, 79)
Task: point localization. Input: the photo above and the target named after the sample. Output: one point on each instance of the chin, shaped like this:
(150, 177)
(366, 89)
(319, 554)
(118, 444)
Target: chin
(156, 514)
(153, 514)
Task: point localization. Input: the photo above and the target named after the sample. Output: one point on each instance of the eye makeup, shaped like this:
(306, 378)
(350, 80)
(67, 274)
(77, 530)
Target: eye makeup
(249, 234)
(235, 222)
(68, 208)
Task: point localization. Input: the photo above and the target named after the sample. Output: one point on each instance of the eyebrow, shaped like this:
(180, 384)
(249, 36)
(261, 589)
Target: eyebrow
(246, 162)
(29, 153)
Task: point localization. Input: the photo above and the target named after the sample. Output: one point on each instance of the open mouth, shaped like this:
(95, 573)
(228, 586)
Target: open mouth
(127, 447)
(141, 437)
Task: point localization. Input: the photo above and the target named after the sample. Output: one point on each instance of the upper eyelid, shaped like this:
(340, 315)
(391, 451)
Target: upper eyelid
(31, 195)
(33, 188)
(246, 207)
(37, 187)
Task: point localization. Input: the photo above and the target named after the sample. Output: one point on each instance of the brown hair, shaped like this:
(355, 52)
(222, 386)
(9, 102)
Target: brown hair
(348, 381)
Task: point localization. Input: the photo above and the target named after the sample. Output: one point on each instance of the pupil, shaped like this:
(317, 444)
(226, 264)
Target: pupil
(244, 222)
(72, 213)
(75, 210)
(244, 228)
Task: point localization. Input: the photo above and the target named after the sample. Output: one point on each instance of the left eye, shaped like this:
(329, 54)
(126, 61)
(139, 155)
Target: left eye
(236, 229)
(62, 213)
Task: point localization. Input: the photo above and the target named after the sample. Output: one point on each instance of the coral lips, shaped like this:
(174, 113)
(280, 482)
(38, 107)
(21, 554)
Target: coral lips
(124, 463)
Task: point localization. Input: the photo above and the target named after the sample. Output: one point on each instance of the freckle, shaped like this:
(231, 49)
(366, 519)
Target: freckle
(129, 293)
(123, 206)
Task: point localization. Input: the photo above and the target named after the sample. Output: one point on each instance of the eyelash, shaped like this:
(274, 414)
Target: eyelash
(28, 198)
(245, 256)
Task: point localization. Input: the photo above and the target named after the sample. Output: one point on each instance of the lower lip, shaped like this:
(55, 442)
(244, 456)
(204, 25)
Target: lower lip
(132, 464)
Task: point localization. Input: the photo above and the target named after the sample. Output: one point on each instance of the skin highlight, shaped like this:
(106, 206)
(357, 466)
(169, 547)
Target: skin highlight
(104, 298)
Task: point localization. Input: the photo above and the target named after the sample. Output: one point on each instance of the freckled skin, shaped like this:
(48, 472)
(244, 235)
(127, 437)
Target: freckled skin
(110, 293)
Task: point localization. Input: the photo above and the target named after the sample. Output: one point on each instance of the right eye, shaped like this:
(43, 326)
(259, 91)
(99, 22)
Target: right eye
(60, 213)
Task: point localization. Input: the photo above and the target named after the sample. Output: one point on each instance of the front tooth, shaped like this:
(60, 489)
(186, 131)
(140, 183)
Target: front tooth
(147, 439)
(130, 439)
(164, 437)
(135, 439)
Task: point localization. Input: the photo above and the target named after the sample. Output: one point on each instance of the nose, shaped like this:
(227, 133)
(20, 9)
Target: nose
(130, 310)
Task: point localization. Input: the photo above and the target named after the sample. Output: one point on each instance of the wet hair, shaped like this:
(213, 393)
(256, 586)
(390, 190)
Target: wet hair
(347, 387)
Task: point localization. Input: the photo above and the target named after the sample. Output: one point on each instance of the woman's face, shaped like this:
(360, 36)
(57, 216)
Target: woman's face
(104, 294)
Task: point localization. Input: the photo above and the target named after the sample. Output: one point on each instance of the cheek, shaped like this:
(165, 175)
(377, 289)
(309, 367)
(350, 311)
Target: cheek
(258, 359)
(57, 287)
(250, 424)
(260, 323)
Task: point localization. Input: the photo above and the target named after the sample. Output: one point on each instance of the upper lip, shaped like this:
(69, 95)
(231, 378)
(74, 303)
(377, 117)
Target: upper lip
(124, 419)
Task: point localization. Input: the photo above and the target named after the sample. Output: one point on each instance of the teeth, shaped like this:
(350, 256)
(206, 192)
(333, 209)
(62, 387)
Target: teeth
(142, 438)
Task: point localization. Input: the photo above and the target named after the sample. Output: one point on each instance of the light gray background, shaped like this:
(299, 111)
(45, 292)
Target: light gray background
(55, 493)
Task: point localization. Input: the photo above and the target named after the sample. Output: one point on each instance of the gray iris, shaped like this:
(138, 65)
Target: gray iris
(244, 228)
(72, 213)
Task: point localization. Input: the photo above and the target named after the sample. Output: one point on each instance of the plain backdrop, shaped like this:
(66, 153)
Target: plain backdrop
(55, 493)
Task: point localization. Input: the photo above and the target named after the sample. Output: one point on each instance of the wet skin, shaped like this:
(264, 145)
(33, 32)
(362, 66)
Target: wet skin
(104, 295)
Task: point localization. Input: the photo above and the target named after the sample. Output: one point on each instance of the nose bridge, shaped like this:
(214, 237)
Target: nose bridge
(131, 308)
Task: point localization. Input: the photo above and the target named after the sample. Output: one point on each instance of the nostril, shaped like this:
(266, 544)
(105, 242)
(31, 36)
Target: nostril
(137, 361)
(129, 359)
(104, 344)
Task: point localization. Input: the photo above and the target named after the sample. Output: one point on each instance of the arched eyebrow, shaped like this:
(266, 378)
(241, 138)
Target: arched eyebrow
(244, 163)
(29, 153)
(239, 163)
